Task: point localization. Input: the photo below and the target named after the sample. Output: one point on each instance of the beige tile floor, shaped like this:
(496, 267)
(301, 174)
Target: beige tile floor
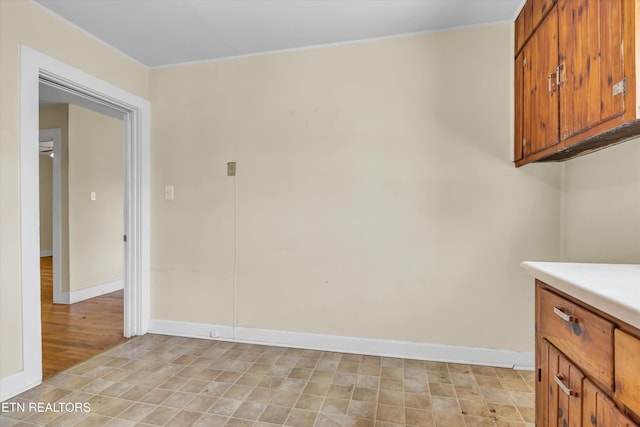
(160, 380)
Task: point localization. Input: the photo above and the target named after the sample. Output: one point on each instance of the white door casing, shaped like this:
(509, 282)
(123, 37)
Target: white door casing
(35, 66)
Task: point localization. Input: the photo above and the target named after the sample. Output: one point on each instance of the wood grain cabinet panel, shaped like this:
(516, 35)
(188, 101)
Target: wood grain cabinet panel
(540, 96)
(538, 10)
(590, 63)
(519, 30)
(600, 411)
(627, 362)
(531, 15)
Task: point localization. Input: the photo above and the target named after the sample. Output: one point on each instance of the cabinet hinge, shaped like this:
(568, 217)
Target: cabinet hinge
(524, 141)
(620, 87)
(524, 60)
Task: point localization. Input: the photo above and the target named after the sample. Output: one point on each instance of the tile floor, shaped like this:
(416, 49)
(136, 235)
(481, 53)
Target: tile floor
(160, 380)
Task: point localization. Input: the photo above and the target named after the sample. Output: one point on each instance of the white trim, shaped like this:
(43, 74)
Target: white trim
(46, 253)
(29, 228)
(93, 291)
(33, 66)
(189, 329)
(370, 346)
(15, 384)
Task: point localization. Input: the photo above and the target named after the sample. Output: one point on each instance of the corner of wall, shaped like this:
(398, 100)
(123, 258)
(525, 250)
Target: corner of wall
(562, 219)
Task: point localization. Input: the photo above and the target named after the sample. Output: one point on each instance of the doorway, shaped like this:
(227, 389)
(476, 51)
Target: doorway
(82, 281)
(34, 67)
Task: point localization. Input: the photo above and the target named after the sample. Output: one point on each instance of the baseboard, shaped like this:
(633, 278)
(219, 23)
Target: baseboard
(15, 384)
(45, 253)
(92, 292)
(370, 346)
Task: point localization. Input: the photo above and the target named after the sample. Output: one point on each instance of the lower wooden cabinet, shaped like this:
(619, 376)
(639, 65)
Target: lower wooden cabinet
(588, 365)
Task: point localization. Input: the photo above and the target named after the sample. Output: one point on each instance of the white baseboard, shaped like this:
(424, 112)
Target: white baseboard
(370, 346)
(47, 252)
(91, 292)
(15, 384)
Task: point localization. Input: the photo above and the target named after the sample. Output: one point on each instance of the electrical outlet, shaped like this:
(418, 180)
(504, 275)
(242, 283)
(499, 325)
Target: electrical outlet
(93, 196)
(231, 169)
(168, 192)
(214, 333)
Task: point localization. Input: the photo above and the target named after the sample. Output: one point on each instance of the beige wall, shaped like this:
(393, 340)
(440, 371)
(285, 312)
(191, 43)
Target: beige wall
(46, 203)
(96, 163)
(375, 196)
(23, 22)
(52, 117)
(92, 159)
(601, 206)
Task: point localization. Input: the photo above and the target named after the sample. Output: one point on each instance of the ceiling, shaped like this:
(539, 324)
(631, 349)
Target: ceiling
(159, 33)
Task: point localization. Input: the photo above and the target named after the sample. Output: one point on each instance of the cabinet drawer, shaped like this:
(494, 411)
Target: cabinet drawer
(584, 337)
(627, 359)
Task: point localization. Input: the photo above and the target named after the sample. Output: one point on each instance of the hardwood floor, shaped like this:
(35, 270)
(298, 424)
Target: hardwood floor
(72, 333)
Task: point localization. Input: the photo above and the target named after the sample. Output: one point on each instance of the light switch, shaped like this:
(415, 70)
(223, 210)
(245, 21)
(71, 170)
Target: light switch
(93, 196)
(168, 192)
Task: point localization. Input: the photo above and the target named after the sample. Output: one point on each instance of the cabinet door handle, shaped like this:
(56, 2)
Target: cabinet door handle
(564, 316)
(560, 75)
(559, 378)
(551, 80)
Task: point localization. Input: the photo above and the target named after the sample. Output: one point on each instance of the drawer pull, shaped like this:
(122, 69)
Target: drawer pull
(559, 378)
(564, 316)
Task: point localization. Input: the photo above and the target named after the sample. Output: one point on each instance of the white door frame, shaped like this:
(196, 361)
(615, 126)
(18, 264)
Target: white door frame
(35, 65)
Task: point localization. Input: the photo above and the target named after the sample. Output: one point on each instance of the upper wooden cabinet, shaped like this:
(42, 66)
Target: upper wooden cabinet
(575, 77)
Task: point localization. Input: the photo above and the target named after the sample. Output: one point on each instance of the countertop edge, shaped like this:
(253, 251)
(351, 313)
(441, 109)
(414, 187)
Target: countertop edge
(617, 309)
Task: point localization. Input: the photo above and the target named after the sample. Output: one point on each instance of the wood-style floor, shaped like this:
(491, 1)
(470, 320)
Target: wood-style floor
(72, 333)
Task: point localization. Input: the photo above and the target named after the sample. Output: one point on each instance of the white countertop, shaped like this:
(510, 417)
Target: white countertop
(611, 288)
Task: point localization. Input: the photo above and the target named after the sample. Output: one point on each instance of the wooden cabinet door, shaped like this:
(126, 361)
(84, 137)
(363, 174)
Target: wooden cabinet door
(627, 363)
(564, 390)
(540, 121)
(599, 411)
(591, 63)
